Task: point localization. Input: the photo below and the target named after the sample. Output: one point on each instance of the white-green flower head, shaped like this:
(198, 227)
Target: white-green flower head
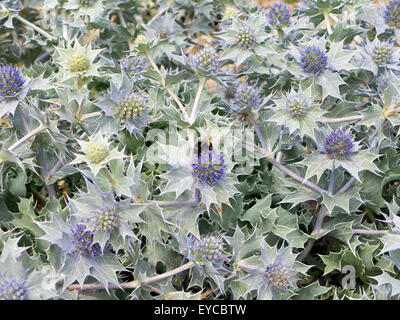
(276, 273)
(97, 152)
(243, 37)
(379, 54)
(131, 108)
(108, 220)
(246, 37)
(205, 61)
(297, 111)
(143, 44)
(77, 60)
(104, 219)
(230, 13)
(297, 106)
(382, 53)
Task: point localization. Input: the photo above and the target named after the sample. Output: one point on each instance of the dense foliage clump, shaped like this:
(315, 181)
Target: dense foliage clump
(199, 149)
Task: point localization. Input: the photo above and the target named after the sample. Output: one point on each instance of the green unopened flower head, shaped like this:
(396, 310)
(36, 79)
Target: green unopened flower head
(96, 151)
(297, 106)
(277, 276)
(130, 107)
(104, 219)
(246, 38)
(382, 53)
(140, 39)
(78, 62)
(205, 61)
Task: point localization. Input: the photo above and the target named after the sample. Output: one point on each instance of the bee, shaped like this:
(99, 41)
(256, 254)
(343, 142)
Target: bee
(62, 185)
(203, 145)
(4, 122)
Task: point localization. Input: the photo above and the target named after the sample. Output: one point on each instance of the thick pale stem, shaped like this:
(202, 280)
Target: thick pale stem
(34, 27)
(280, 35)
(44, 172)
(121, 18)
(146, 283)
(190, 203)
(90, 115)
(110, 178)
(54, 170)
(259, 133)
(280, 166)
(370, 232)
(41, 161)
(99, 286)
(345, 119)
(167, 274)
(320, 219)
(328, 23)
(173, 95)
(27, 137)
(246, 267)
(347, 185)
(317, 229)
(196, 104)
(331, 187)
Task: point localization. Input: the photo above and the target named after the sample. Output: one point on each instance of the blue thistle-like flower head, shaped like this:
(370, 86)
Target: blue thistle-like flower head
(11, 290)
(247, 97)
(246, 38)
(209, 167)
(11, 82)
(339, 144)
(134, 64)
(313, 60)
(279, 15)
(207, 249)
(392, 14)
(104, 219)
(83, 241)
(206, 60)
(297, 106)
(130, 107)
(278, 276)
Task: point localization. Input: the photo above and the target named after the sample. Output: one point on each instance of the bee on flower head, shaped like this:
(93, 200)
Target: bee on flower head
(206, 144)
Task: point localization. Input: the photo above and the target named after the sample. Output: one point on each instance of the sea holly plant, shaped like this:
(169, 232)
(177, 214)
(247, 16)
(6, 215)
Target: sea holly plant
(297, 111)
(321, 65)
(199, 149)
(244, 37)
